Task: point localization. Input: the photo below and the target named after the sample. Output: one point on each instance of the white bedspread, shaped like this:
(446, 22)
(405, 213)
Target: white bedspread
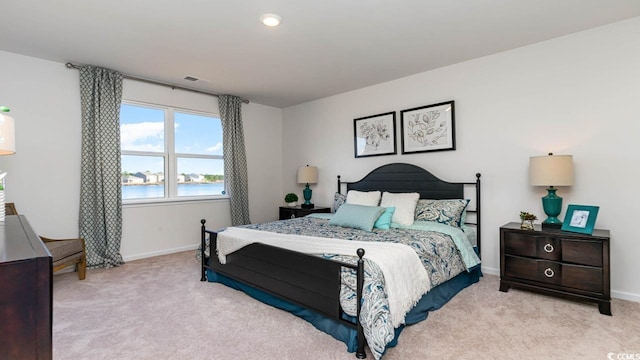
(406, 279)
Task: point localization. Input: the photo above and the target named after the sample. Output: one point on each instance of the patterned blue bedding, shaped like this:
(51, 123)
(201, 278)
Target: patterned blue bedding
(437, 252)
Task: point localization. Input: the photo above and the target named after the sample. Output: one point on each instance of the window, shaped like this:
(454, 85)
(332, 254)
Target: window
(186, 146)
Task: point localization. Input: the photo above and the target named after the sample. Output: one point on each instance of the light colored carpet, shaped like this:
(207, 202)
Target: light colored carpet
(157, 308)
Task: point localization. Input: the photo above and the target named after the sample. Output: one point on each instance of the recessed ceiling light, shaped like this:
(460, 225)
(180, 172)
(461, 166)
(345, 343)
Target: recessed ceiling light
(271, 20)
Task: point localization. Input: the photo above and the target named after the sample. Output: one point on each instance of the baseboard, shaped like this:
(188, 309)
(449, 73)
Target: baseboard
(160, 252)
(490, 271)
(625, 296)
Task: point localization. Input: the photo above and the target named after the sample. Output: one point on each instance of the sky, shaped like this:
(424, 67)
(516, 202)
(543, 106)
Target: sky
(142, 129)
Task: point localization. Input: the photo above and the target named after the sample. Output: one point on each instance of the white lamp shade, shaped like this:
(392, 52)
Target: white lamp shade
(7, 135)
(551, 170)
(307, 175)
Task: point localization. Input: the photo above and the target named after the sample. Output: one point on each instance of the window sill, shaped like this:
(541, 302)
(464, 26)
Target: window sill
(172, 201)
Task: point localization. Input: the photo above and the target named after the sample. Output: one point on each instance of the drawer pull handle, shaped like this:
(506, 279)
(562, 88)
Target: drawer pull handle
(548, 248)
(548, 272)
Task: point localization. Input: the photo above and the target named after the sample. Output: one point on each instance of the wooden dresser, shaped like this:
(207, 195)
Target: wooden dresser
(25, 292)
(571, 265)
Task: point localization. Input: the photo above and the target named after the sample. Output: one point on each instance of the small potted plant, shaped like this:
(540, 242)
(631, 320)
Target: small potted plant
(527, 220)
(291, 199)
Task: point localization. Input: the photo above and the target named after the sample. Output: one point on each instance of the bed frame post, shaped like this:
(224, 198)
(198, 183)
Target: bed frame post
(360, 354)
(339, 185)
(478, 212)
(202, 245)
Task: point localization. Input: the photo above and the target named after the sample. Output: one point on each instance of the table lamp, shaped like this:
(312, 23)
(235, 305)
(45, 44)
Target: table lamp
(551, 170)
(7, 132)
(307, 175)
(7, 147)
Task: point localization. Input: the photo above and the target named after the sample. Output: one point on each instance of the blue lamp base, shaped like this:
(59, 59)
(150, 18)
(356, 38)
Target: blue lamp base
(552, 205)
(306, 192)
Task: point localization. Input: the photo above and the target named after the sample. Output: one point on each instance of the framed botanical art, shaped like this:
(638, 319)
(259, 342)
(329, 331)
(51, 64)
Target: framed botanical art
(428, 128)
(375, 135)
(580, 219)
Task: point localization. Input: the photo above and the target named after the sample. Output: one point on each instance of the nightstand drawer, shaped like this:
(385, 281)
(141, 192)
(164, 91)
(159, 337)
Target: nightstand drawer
(577, 277)
(292, 212)
(582, 252)
(289, 213)
(532, 245)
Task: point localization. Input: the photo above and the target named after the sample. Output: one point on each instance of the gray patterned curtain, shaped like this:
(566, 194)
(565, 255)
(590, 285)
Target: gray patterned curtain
(235, 158)
(100, 192)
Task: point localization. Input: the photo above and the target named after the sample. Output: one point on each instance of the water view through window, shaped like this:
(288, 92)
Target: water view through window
(157, 191)
(157, 140)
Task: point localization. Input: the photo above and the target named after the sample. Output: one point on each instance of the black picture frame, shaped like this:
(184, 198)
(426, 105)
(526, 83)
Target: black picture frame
(428, 128)
(580, 219)
(375, 135)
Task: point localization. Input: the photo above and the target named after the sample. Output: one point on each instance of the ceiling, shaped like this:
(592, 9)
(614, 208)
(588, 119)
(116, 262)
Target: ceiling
(322, 48)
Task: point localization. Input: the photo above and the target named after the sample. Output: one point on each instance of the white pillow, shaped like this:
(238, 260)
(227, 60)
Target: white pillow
(367, 198)
(405, 205)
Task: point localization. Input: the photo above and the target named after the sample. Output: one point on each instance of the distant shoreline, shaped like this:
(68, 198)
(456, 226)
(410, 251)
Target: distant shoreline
(147, 191)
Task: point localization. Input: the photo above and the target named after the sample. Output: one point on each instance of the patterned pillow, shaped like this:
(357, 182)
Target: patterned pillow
(338, 200)
(443, 211)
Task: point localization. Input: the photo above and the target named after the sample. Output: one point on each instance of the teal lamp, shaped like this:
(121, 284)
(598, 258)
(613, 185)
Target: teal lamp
(307, 175)
(551, 170)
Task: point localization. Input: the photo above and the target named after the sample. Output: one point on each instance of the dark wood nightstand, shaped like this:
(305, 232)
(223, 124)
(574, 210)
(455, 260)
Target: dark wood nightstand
(554, 262)
(290, 212)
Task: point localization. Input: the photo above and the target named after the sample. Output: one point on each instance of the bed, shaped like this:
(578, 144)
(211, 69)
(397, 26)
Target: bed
(339, 286)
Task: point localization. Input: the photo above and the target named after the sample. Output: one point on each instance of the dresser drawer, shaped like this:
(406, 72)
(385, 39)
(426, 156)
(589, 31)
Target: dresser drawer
(586, 278)
(565, 249)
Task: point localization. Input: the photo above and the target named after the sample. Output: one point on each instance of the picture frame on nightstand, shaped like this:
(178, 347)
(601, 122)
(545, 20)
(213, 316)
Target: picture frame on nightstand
(580, 219)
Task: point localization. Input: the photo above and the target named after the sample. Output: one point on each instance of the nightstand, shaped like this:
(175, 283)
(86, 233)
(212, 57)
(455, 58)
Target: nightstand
(290, 212)
(554, 262)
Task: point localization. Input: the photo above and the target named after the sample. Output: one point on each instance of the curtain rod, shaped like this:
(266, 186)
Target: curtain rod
(130, 77)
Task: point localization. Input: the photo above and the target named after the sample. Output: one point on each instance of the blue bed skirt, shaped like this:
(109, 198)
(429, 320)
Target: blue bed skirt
(433, 300)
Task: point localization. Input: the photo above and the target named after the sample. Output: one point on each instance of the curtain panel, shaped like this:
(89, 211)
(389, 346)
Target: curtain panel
(100, 218)
(235, 158)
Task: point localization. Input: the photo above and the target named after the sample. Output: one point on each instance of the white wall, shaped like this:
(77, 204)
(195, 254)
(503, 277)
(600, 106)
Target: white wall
(44, 175)
(578, 95)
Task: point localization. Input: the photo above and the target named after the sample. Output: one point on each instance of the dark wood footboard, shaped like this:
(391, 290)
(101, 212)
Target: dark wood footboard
(305, 280)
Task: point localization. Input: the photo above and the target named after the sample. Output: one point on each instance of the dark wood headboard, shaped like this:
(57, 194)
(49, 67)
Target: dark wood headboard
(405, 178)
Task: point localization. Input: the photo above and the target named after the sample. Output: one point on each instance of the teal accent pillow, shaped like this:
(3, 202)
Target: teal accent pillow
(356, 216)
(384, 221)
(447, 211)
